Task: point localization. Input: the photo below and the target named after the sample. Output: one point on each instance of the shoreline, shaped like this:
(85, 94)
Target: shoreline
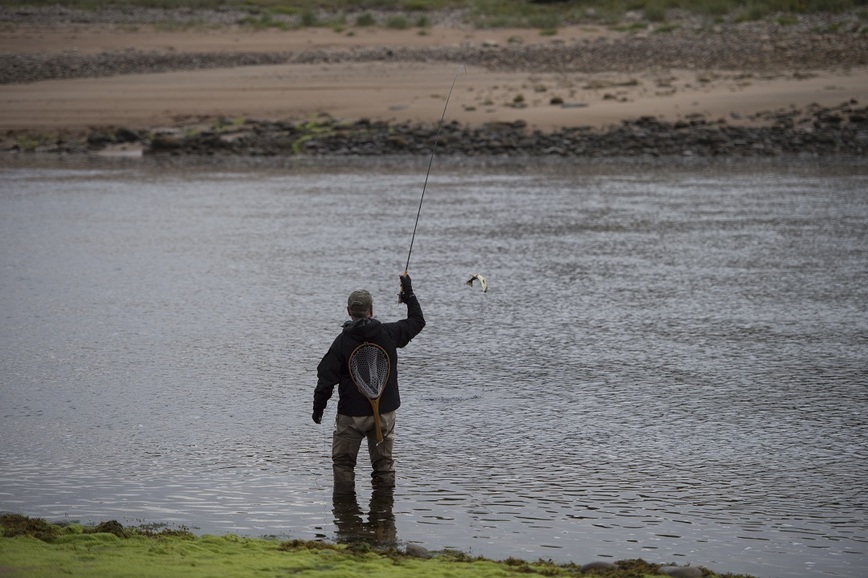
(36, 547)
(68, 77)
(814, 132)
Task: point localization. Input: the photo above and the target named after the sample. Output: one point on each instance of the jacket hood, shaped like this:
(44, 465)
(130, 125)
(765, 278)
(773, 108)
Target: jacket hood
(363, 328)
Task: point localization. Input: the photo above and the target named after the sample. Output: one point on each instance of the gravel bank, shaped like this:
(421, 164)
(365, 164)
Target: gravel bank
(814, 43)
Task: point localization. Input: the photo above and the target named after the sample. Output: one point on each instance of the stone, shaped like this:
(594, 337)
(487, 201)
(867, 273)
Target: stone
(162, 143)
(597, 565)
(417, 551)
(681, 571)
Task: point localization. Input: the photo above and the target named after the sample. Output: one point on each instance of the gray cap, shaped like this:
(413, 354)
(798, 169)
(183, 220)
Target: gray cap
(359, 302)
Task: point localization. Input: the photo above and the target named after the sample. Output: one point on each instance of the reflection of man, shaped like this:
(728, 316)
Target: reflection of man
(379, 530)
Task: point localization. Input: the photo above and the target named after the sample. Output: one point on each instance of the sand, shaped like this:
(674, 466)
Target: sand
(388, 91)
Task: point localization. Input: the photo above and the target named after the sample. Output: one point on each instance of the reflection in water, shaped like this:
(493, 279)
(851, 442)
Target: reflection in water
(378, 531)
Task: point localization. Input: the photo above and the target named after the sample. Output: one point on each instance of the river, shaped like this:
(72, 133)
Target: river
(671, 362)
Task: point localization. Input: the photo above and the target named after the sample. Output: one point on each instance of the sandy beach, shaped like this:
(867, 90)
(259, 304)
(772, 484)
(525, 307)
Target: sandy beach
(347, 87)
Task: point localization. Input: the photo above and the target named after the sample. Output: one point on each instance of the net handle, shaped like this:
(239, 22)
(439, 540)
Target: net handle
(375, 405)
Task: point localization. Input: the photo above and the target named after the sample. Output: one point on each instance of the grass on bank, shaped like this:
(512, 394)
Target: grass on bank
(545, 15)
(34, 548)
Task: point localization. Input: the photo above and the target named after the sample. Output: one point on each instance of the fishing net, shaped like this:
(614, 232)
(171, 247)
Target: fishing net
(369, 368)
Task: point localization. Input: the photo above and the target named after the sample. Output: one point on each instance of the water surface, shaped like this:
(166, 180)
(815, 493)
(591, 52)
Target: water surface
(670, 363)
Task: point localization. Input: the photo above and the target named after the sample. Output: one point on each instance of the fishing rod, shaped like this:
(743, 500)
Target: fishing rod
(436, 140)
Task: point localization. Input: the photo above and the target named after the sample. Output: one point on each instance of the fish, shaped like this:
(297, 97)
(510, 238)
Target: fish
(481, 279)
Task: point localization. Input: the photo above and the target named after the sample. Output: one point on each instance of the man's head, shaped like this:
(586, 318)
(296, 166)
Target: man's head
(360, 304)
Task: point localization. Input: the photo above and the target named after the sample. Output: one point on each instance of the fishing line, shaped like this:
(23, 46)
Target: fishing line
(430, 162)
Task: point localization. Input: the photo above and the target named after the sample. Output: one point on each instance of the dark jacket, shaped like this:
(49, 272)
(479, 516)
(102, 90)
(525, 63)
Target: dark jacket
(334, 370)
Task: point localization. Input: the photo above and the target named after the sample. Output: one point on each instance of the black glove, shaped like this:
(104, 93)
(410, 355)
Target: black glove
(406, 287)
(406, 283)
(317, 416)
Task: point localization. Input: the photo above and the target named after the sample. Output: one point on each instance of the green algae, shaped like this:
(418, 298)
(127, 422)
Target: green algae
(34, 548)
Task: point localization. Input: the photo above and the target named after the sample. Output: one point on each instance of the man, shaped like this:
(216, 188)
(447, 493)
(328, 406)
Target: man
(355, 416)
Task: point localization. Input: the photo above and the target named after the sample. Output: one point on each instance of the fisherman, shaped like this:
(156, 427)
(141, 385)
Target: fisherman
(355, 416)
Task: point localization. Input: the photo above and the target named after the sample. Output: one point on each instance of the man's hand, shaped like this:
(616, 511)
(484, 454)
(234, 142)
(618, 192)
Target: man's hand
(406, 287)
(317, 417)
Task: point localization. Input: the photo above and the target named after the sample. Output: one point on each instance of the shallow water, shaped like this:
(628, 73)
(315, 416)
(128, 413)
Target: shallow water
(670, 363)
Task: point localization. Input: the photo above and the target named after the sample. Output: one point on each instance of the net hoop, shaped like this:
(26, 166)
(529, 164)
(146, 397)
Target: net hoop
(369, 367)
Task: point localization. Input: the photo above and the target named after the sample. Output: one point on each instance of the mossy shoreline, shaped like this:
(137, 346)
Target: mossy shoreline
(36, 548)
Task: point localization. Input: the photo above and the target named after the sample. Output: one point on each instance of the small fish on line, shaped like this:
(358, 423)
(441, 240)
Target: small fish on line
(480, 278)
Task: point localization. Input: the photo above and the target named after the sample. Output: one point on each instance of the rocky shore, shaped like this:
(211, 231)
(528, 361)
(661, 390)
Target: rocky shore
(810, 43)
(817, 131)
